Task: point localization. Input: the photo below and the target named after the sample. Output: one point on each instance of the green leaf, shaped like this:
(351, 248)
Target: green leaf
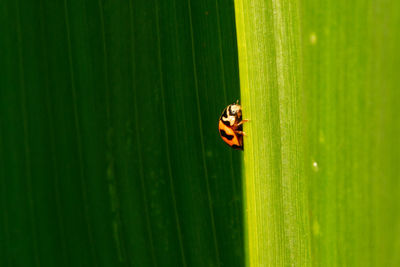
(277, 231)
(352, 109)
(321, 161)
(110, 153)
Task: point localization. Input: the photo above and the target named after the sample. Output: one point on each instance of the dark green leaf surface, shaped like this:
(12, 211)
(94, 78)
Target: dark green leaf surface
(110, 154)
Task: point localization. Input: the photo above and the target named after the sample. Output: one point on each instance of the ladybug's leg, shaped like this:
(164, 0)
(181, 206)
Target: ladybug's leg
(242, 121)
(240, 133)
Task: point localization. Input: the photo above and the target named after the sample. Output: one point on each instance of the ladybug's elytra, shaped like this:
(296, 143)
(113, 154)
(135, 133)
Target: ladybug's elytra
(231, 126)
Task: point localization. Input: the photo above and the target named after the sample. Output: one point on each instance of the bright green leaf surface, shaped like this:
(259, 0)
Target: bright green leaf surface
(352, 97)
(325, 124)
(110, 153)
(277, 231)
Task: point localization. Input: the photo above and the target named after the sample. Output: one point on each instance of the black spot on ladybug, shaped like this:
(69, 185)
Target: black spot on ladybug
(224, 114)
(224, 134)
(237, 147)
(226, 123)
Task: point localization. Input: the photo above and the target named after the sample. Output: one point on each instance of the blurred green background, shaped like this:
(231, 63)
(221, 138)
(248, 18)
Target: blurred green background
(320, 82)
(109, 148)
(351, 85)
(110, 152)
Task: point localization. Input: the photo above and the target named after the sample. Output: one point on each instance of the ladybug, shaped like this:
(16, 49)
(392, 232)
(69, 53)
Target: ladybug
(230, 126)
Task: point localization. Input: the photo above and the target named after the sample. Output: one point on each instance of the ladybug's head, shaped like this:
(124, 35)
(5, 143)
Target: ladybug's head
(235, 110)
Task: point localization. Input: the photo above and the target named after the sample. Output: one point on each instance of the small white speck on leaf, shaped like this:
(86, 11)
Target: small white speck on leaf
(313, 38)
(315, 166)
